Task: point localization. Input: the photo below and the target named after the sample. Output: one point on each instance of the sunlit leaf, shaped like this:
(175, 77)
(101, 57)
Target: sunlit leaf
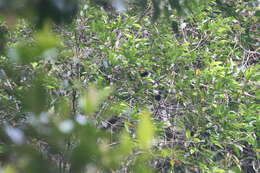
(145, 131)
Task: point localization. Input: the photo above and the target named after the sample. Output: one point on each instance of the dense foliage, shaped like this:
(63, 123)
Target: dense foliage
(143, 86)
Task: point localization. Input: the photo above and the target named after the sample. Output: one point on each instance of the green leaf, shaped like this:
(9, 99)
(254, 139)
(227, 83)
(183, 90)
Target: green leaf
(188, 134)
(145, 131)
(218, 170)
(126, 144)
(91, 99)
(45, 39)
(9, 169)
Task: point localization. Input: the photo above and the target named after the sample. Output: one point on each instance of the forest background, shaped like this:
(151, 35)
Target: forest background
(129, 86)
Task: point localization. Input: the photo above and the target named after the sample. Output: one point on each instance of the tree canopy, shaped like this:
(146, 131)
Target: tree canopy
(129, 86)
